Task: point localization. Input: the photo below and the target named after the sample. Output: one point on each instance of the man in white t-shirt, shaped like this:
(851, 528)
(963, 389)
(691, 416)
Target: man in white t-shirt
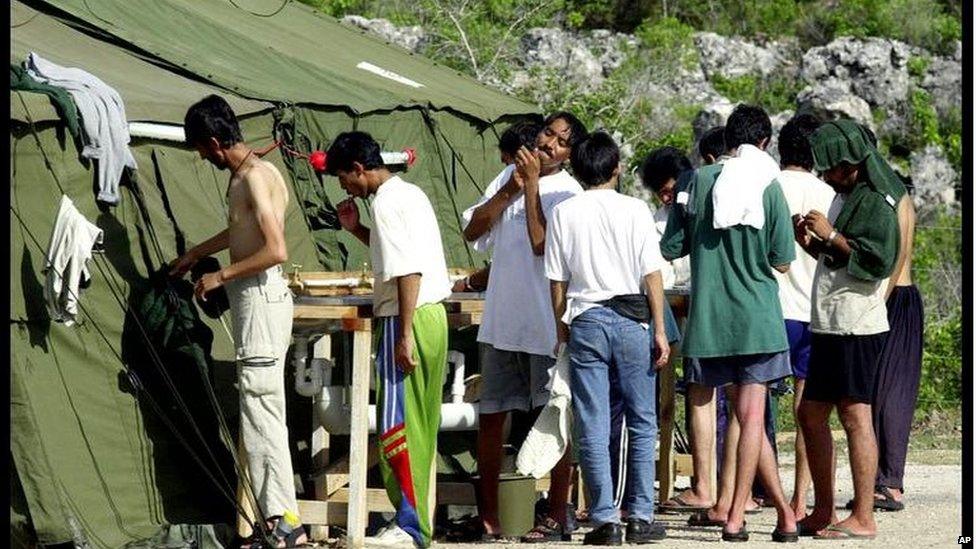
(804, 191)
(516, 334)
(409, 283)
(603, 261)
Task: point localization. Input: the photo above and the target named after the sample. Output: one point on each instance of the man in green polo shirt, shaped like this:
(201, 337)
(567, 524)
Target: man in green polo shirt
(733, 221)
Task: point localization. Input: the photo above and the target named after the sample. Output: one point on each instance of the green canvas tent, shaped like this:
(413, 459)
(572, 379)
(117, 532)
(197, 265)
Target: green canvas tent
(93, 459)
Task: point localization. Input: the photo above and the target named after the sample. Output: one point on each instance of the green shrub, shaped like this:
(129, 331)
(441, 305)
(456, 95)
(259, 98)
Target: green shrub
(941, 384)
(775, 94)
(917, 65)
(667, 41)
(924, 23)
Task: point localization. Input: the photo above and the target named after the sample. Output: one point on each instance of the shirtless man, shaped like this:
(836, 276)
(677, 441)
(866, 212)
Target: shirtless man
(899, 369)
(260, 306)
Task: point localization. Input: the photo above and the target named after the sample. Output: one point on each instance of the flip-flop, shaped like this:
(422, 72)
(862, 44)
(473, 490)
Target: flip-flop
(845, 533)
(740, 536)
(780, 536)
(676, 505)
(755, 511)
(701, 519)
(804, 531)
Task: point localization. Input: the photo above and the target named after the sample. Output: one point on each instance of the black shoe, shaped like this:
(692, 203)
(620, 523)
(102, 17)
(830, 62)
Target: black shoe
(608, 534)
(641, 531)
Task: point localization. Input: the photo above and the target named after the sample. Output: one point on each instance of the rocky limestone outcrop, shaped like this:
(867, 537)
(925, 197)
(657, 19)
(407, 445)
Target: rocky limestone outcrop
(869, 80)
(834, 99)
(933, 176)
(412, 38)
(875, 69)
(734, 57)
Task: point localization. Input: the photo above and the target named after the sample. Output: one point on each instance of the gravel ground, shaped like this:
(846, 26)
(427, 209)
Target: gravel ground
(932, 516)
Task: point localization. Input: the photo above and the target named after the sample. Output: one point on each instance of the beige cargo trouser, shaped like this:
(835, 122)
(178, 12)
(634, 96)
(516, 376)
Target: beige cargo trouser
(261, 311)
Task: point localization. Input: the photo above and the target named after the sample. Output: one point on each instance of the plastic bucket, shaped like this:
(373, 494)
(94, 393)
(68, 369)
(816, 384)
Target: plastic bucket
(516, 504)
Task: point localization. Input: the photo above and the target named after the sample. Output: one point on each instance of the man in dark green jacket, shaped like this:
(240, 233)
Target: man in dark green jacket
(856, 245)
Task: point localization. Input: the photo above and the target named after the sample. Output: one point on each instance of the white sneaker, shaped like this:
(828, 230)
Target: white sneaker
(390, 535)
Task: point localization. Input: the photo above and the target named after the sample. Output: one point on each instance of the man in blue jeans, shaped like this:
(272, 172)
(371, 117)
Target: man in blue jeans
(601, 252)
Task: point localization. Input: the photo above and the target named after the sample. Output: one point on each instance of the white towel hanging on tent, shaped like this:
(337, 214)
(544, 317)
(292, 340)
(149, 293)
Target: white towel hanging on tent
(66, 263)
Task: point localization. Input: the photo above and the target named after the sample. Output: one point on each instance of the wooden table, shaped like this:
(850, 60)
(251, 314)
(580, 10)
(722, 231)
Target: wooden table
(352, 314)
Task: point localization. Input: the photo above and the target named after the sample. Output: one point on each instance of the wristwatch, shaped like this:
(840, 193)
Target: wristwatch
(831, 237)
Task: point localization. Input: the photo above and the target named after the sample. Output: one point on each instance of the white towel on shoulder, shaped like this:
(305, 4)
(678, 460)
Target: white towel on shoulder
(547, 441)
(66, 264)
(102, 116)
(737, 196)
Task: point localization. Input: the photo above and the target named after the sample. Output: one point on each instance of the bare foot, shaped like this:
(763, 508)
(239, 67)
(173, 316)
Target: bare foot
(687, 498)
(851, 525)
(799, 510)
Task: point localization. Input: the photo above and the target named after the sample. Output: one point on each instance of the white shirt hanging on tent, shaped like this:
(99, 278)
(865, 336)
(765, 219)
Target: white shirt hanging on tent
(67, 258)
(103, 119)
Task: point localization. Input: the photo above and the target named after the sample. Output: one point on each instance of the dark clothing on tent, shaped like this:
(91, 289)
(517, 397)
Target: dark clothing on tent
(60, 99)
(896, 385)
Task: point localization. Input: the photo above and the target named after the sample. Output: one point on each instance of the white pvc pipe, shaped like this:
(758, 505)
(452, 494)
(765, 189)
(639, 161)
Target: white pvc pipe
(166, 132)
(457, 384)
(394, 157)
(338, 282)
(336, 417)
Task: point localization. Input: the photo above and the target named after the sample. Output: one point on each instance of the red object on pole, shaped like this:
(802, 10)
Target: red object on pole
(318, 161)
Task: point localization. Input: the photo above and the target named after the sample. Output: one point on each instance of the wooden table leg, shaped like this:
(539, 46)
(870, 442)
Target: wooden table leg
(359, 433)
(665, 462)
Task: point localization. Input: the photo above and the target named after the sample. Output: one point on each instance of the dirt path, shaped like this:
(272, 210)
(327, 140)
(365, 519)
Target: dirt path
(931, 517)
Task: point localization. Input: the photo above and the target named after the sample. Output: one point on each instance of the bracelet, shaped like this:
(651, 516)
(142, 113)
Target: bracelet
(831, 237)
(467, 285)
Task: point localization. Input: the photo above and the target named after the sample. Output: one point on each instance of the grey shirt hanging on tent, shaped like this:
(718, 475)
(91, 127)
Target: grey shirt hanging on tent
(103, 120)
(67, 258)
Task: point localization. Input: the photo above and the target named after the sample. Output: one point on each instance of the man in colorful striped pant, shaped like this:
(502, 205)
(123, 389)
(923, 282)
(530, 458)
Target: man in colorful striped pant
(410, 282)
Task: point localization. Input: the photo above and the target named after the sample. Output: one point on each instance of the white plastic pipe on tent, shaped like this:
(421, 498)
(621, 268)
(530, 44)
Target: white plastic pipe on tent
(171, 132)
(335, 414)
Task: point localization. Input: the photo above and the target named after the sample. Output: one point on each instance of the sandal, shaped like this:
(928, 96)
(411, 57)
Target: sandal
(701, 518)
(468, 531)
(545, 531)
(889, 503)
(677, 505)
(740, 536)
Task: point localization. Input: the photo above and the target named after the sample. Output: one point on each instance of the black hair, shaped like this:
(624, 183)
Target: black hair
(747, 125)
(712, 143)
(662, 165)
(577, 130)
(794, 141)
(594, 159)
(349, 147)
(211, 117)
(522, 134)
